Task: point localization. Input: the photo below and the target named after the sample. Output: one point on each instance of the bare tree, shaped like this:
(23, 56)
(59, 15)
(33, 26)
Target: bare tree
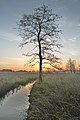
(79, 67)
(71, 65)
(41, 29)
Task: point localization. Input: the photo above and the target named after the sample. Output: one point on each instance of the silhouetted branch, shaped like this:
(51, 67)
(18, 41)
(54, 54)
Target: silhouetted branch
(41, 28)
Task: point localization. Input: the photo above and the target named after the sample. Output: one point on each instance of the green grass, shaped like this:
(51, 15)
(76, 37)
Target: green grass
(11, 80)
(56, 98)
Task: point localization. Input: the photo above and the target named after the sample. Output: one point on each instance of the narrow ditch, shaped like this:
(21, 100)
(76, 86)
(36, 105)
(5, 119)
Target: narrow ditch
(15, 103)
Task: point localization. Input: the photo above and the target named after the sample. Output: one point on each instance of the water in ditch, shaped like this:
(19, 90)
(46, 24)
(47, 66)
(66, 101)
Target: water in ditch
(16, 103)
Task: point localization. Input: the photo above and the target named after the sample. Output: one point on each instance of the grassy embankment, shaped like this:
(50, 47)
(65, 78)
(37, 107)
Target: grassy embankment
(57, 98)
(11, 80)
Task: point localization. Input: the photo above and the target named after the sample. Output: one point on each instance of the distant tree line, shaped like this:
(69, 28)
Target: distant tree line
(6, 70)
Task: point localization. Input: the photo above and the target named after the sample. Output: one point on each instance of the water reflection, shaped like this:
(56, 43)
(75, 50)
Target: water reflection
(11, 92)
(29, 86)
(15, 103)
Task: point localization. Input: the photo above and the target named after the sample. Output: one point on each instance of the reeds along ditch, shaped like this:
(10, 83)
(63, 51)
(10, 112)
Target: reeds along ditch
(11, 80)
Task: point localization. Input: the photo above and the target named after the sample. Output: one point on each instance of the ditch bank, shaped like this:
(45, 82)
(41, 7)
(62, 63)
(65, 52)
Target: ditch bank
(13, 86)
(15, 104)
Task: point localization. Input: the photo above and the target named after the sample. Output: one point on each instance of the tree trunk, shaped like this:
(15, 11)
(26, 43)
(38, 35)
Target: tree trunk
(40, 56)
(40, 69)
(40, 64)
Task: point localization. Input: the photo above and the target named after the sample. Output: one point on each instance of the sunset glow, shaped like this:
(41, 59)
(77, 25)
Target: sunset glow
(11, 12)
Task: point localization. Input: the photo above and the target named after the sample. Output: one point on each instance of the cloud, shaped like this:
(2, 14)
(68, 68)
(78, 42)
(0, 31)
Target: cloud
(61, 8)
(76, 0)
(71, 47)
(9, 36)
(55, 0)
(73, 40)
(78, 25)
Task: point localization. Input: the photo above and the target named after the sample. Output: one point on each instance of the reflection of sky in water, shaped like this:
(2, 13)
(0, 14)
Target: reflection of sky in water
(15, 105)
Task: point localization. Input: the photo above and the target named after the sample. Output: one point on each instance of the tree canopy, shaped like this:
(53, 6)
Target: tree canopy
(41, 29)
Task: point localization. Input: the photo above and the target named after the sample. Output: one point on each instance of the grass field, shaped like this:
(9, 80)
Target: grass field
(11, 80)
(56, 98)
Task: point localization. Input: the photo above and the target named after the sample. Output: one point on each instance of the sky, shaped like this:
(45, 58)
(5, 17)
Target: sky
(11, 12)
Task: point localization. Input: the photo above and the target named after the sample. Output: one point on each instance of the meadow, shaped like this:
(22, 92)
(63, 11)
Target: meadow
(11, 80)
(56, 98)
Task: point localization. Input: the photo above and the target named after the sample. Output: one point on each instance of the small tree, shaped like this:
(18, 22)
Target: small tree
(79, 67)
(71, 65)
(41, 29)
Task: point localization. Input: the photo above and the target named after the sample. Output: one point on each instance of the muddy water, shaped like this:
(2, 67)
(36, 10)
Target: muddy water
(15, 104)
